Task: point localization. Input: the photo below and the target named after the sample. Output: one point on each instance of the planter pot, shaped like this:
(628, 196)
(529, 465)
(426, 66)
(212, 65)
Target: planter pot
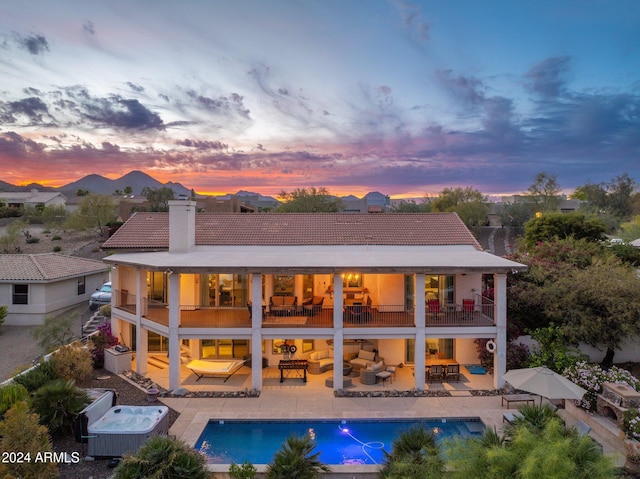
(152, 395)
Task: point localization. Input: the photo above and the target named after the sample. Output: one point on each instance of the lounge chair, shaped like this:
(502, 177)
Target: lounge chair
(452, 373)
(582, 428)
(215, 367)
(435, 372)
(510, 417)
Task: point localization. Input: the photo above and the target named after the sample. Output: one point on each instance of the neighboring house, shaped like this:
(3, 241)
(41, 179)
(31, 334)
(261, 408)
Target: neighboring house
(34, 286)
(372, 202)
(32, 199)
(182, 281)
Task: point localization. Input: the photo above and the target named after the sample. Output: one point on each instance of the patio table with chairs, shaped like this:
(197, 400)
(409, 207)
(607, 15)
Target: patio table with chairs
(442, 370)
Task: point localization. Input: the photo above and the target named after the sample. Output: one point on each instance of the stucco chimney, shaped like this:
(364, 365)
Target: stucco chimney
(182, 226)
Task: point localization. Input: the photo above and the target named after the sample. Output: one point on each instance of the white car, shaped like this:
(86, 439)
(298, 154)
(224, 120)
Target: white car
(101, 297)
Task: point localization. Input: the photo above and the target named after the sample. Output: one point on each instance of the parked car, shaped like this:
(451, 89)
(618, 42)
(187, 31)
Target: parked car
(101, 297)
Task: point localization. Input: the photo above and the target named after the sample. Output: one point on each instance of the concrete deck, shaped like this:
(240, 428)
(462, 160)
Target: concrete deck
(294, 399)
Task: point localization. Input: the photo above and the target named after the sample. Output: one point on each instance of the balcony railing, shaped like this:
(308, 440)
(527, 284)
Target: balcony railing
(125, 300)
(374, 316)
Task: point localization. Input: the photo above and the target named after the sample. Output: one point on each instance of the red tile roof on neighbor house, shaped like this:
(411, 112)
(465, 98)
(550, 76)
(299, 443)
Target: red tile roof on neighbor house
(150, 231)
(46, 267)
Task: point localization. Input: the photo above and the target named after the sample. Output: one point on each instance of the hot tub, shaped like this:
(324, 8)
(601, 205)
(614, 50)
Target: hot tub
(123, 429)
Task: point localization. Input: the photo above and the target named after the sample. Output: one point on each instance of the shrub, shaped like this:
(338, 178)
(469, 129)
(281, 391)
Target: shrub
(57, 249)
(163, 457)
(103, 339)
(57, 403)
(21, 432)
(631, 424)
(55, 332)
(244, 471)
(56, 238)
(3, 314)
(33, 240)
(10, 394)
(591, 377)
(296, 456)
(105, 310)
(37, 377)
(72, 362)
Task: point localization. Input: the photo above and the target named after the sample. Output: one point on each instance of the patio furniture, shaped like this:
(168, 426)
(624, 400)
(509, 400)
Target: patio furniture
(433, 308)
(370, 376)
(452, 372)
(313, 305)
(283, 305)
(435, 372)
(509, 398)
(295, 365)
(214, 367)
(510, 417)
(468, 307)
(320, 361)
(384, 376)
(363, 359)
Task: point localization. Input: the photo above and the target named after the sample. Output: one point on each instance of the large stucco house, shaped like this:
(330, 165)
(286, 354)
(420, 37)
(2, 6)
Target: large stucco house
(215, 284)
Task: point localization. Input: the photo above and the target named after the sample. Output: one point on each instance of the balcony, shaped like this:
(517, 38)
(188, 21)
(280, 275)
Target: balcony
(374, 316)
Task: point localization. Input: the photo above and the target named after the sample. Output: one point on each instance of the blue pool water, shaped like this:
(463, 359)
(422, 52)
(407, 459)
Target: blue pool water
(339, 442)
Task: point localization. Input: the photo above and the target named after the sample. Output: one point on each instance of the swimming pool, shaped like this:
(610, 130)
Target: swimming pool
(358, 441)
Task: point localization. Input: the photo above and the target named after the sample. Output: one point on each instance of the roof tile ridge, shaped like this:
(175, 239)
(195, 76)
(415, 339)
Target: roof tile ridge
(36, 263)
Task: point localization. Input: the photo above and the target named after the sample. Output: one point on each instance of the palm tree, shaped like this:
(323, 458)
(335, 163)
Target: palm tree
(414, 454)
(296, 460)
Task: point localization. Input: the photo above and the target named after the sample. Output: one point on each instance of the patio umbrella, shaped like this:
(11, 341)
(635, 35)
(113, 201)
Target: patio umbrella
(545, 383)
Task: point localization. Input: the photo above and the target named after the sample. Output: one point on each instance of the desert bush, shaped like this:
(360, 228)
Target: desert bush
(105, 310)
(56, 238)
(244, 471)
(163, 457)
(10, 394)
(57, 403)
(21, 432)
(55, 332)
(72, 361)
(37, 377)
(3, 313)
(57, 249)
(33, 240)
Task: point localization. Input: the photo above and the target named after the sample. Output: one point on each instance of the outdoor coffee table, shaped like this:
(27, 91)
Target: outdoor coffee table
(526, 398)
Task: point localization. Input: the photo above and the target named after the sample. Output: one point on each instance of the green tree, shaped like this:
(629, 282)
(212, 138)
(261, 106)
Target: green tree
(296, 460)
(309, 200)
(468, 203)
(545, 191)
(54, 217)
(3, 313)
(598, 304)
(630, 230)
(158, 198)
(94, 211)
(13, 232)
(81, 192)
(410, 206)
(553, 350)
(415, 454)
(517, 214)
(128, 190)
(54, 332)
(551, 226)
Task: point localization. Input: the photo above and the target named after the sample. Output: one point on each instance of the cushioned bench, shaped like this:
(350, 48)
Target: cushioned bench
(320, 361)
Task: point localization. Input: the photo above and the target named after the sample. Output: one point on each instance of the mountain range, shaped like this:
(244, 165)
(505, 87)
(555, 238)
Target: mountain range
(137, 180)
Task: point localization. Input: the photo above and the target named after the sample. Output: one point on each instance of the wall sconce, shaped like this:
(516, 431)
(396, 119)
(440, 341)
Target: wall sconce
(168, 271)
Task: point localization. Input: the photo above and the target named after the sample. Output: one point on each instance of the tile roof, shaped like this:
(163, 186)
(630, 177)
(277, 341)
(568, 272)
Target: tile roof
(46, 267)
(150, 231)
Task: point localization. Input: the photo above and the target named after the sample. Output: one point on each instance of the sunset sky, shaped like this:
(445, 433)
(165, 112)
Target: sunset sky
(401, 97)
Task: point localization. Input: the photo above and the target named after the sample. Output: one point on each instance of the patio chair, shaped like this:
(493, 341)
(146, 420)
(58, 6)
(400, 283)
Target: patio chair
(433, 308)
(313, 306)
(453, 372)
(435, 373)
(468, 308)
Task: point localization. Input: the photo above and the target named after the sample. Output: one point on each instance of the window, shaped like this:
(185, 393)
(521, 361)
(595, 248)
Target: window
(82, 285)
(20, 294)
(351, 280)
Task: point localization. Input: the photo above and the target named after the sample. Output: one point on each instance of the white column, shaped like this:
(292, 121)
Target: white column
(174, 326)
(338, 332)
(115, 286)
(142, 335)
(256, 332)
(421, 332)
(500, 356)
